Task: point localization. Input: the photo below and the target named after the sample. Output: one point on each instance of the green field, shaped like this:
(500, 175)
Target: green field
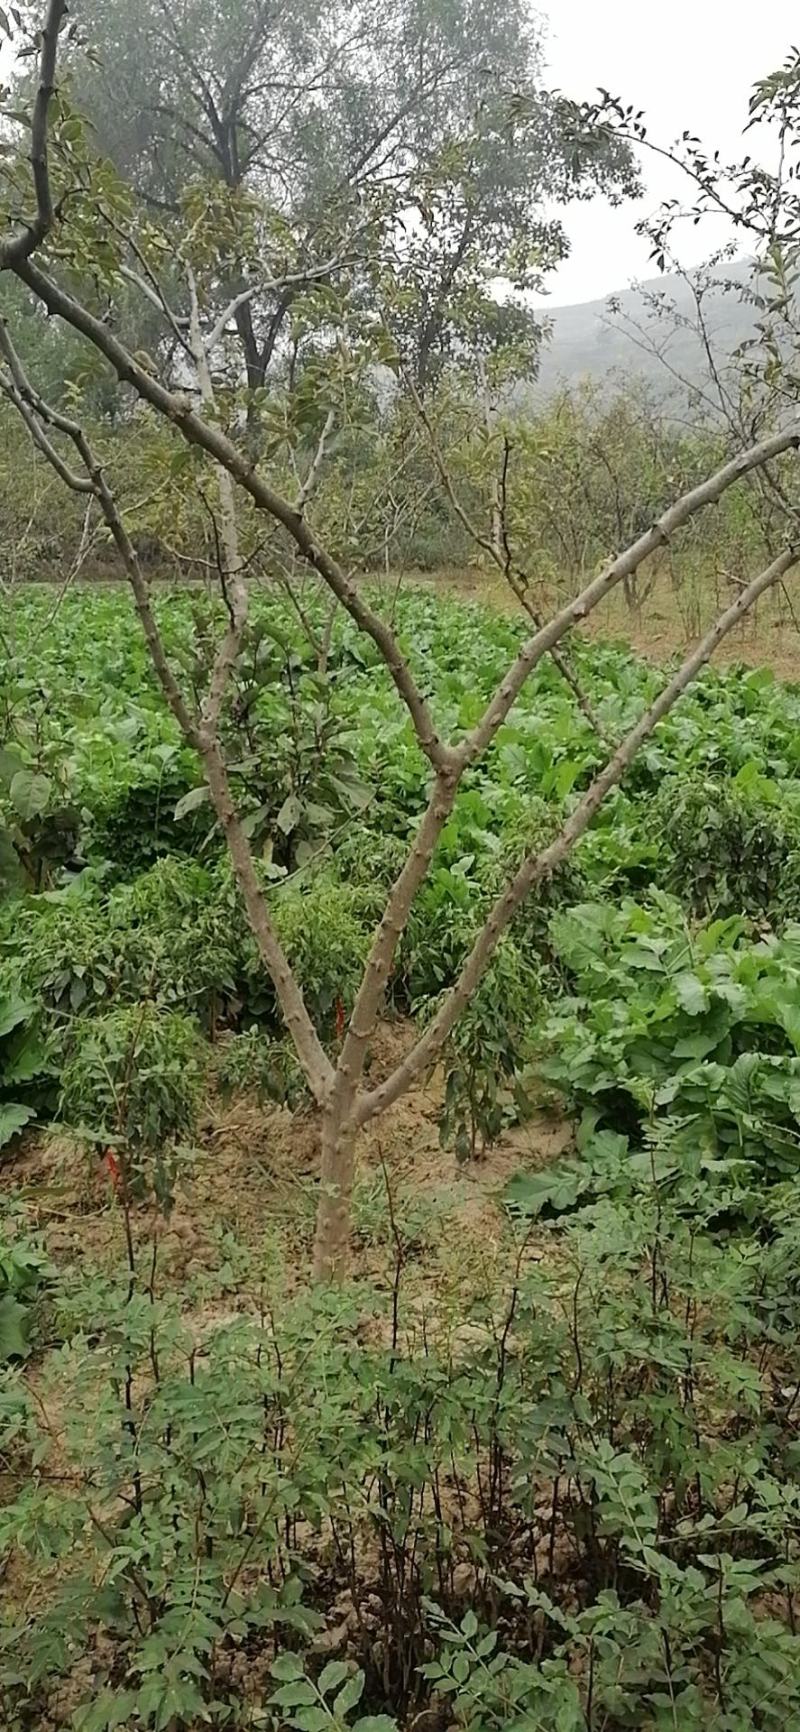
(534, 1466)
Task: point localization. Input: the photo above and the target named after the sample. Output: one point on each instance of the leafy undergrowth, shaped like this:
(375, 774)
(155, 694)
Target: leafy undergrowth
(536, 1466)
(118, 892)
(550, 1484)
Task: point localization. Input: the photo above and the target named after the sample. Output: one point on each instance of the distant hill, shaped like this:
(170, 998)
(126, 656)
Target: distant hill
(591, 341)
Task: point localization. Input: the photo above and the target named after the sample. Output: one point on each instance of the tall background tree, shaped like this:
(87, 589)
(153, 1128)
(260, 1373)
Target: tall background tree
(333, 140)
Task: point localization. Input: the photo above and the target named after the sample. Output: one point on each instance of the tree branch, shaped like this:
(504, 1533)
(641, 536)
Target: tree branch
(211, 439)
(539, 866)
(624, 565)
(499, 551)
(316, 463)
(19, 246)
(234, 587)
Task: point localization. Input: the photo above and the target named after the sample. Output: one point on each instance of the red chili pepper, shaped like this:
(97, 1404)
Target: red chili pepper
(339, 1019)
(113, 1168)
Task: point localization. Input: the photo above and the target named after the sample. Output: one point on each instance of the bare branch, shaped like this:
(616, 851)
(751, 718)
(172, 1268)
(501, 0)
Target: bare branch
(277, 285)
(499, 551)
(150, 288)
(217, 333)
(77, 483)
(624, 565)
(234, 587)
(316, 463)
(19, 246)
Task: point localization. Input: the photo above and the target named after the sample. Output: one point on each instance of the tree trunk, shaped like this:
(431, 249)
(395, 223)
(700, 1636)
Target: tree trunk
(338, 1140)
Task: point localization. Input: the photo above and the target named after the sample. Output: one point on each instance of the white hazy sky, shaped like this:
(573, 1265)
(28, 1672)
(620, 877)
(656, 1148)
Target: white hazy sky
(687, 63)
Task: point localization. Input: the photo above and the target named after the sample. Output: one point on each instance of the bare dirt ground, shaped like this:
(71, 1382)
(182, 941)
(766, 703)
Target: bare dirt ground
(253, 1173)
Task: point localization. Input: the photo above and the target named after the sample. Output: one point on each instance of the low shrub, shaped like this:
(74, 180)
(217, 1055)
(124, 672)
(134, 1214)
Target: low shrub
(732, 847)
(484, 1058)
(131, 1081)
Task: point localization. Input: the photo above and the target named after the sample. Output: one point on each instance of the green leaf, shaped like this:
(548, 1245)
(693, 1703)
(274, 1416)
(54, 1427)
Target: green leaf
(110, 1710)
(311, 1720)
(530, 1193)
(10, 764)
(13, 1011)
(30, 793)
(287, 1667)
(14, 1328)
(692, 995)
(13, 1117)
(190, 802)
(289, 815)
(332, 1676)
(349, 1695)
(28, 1060)
(298, 1693)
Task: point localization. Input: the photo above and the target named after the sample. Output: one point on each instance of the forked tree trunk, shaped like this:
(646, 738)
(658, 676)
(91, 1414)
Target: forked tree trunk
(338, 1139)
(344, 1107)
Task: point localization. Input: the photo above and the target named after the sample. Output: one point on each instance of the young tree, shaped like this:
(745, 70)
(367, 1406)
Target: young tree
(57, 251)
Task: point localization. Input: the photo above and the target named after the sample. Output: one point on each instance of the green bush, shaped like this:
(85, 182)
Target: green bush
(733, 847)
(695, 1027)
(572, 1498)
(270, 1068)
(134, 825)
(561, 888)
(325, 930)
(24, 1269)
(67, 955)
(484, 1058)
(168, 935)
(25, 1064)
(131, 1080)
(174, 933)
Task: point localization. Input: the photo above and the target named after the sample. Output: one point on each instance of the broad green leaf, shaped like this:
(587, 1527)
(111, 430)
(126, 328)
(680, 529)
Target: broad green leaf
(349, 1696)
(332, 1676)
(289, 815)
(692, 995)
(287, 1667)
(30, 793)
(190, 802)
(13, 1011)
(13, 1118)
(295, 1694)
(14, 1328)
(529, 1193)
(109, 1710)
(10, 764)
(28, 1059)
